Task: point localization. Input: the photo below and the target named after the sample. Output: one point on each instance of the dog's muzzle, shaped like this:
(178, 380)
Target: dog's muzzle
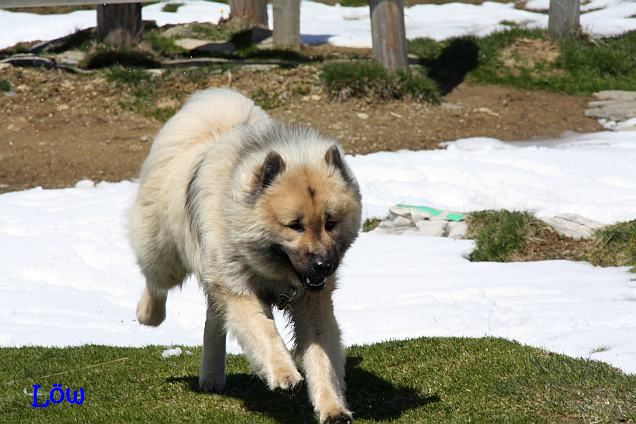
(319, 269)
(313, 283)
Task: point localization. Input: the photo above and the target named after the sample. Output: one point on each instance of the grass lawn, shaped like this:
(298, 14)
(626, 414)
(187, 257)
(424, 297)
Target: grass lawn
(530, 59)
(422, 380)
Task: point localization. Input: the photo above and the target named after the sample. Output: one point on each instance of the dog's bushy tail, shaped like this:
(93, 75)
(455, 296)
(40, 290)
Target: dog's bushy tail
(204, 116)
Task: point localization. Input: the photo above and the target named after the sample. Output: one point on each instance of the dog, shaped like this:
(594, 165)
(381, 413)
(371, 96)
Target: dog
(261, 212)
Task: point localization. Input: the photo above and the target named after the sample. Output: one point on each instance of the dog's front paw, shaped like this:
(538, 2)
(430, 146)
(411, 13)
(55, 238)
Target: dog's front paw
(207, 384)
(284, 378)
(340, 418)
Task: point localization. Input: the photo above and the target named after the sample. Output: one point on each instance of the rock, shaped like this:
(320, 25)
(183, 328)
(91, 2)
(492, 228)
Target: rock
(629, 125)
(19, 124)
(451, 106)
(71, 57)
(267, 43)
(260, 66)
(386, 225)
(62, 107)
(154, 73)
(486, 111)
(362, 115)
(572, 225)
(167, 103)
(616, 95)
(419, 215)
(401, 221)
(5, 66)
(30, 60)
(457, 230)
(615, 111)
(191, 43)
(431, 228)
(613, 106)
(315, 97)
(400, 211)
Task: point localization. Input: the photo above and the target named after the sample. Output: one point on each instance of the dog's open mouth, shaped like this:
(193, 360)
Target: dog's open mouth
(312, 283)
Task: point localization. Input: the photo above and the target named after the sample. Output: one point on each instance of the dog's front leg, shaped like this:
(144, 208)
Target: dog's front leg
(252, 323)
(322, 355)
(212, 375)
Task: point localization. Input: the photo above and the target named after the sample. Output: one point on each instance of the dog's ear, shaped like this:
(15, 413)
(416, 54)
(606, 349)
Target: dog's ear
(334, 159)
(272, 167)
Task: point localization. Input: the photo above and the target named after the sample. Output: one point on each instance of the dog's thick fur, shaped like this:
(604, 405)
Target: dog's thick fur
(255, 209)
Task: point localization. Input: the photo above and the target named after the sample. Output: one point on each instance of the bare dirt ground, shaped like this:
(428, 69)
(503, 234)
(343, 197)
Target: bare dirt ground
(60, 127)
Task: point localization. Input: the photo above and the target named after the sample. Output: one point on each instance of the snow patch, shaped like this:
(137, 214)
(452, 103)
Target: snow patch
(341, 26)
(69, 277)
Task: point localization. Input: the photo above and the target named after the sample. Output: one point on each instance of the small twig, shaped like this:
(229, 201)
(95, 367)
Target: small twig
(84, 368)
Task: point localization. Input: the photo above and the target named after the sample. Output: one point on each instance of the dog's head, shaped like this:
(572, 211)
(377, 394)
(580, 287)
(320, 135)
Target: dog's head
(311, 213)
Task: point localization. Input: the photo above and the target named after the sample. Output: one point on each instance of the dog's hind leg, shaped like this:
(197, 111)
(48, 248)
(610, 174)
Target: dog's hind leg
(212, 376)
(163, 272)
(151, 308)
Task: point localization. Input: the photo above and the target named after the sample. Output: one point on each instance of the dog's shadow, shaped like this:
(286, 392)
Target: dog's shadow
(370, 397)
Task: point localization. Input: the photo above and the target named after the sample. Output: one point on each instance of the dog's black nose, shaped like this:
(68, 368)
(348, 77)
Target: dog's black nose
(321, 266)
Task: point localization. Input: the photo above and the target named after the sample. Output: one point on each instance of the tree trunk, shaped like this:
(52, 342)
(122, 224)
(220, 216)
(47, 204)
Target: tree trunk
(564, 18)
(119, 25)
(249, 13)
(286, 24)
(388, 33)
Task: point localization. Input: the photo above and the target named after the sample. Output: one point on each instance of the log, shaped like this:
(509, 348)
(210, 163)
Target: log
(286, 24)
(388, 33)
(9, 4)
(249, 13)
(119, 25)
(564, 19)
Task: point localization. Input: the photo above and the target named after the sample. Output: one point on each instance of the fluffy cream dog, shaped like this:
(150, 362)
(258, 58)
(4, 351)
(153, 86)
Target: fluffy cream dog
(262, 213)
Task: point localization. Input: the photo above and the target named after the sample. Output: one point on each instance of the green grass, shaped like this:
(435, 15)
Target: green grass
(370, 79)
(5, 85)
(581, 66)
(104, 57)
(615, 245)
(499, 235)
(370, 224)
(130, 76)
(171, 7)
(503, 236)
(428, 380)
(353, 3)
(212, 32)
(141, 92)
(161, 44)
(265, 99)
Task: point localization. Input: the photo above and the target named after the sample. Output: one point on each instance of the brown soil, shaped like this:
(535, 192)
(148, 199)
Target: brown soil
(60, 127)
(529, 54)
(551, 245)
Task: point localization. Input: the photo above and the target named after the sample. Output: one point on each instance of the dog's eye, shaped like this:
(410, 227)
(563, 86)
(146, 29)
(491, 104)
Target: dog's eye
(296, 226)
(329, 225)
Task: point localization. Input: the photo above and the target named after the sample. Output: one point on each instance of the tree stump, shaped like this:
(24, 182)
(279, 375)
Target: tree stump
(286, 24)
(564, 18)
(249, 13)
(119, 25)
(388, 33)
